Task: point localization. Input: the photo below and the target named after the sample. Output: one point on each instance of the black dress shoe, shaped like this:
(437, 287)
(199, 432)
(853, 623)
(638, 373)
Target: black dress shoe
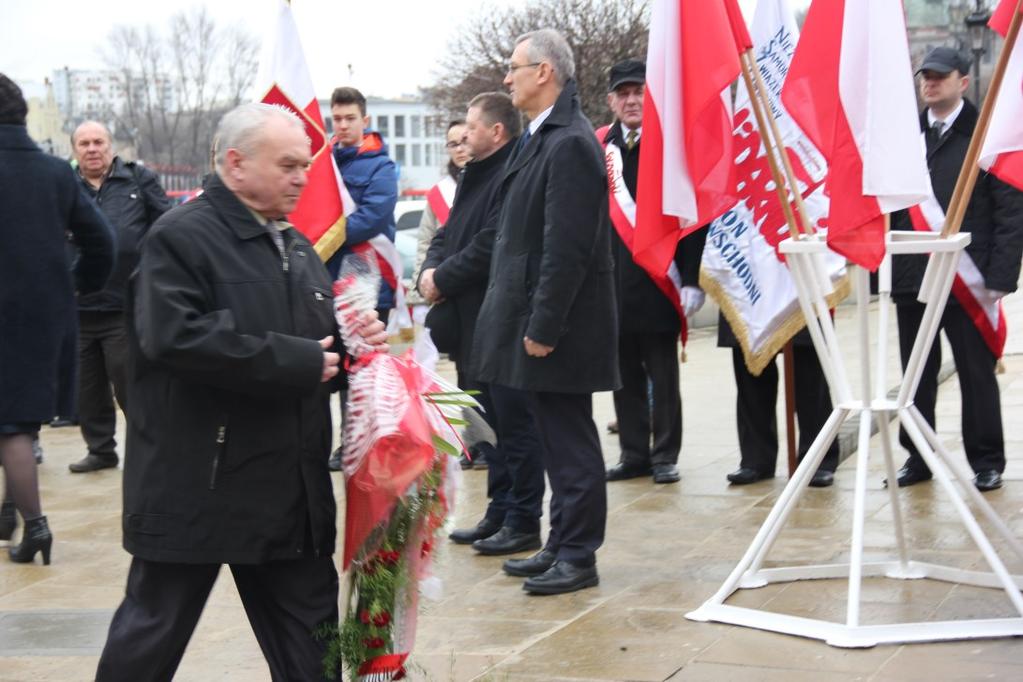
(507, 541)
(92, 463)
(334, 463)
(479, 453)
(59, 422)
(987, 480)
(908, 476)
(822, 479)
(623, 472)
(530, 566)
(744, 476)
(666, 473)
(562, 577)
(467, 536)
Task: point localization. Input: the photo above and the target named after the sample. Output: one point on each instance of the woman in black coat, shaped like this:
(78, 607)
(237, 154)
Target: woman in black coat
(40, 202)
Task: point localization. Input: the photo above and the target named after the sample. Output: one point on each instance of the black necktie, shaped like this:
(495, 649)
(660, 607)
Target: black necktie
(521, 144)
(936, 129)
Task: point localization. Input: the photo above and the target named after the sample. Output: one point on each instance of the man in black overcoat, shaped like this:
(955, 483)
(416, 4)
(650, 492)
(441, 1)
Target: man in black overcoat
(232, 358)
(548, 323)
(455, 274)
(648, 405)
(994, 219)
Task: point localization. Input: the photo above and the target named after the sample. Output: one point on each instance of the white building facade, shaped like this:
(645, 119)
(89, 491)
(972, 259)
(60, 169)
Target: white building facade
(414, 134)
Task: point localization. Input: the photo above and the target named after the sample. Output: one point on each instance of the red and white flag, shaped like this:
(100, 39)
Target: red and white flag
(440, 198)
(850, 88)
(686, 170)
(982, 305)
(1002, 153)
(325, 202)
(284, 80)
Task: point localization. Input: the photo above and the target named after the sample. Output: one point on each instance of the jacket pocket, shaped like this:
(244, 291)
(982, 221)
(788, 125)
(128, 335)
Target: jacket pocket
(219, 450)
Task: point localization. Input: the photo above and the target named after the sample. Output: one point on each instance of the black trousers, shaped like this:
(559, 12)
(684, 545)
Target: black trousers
(575, 467)
(285, 601)
(756, 404)
(648, 405)
(515, 468)
(983, 437)
(102, 349)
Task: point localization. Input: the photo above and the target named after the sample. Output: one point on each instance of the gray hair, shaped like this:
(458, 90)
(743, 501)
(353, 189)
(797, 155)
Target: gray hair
(101, 124)
(241, 127)
(547, 45)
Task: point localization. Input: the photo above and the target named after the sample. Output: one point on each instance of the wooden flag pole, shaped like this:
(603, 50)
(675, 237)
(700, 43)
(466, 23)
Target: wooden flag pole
(758, 104)
(968, 175)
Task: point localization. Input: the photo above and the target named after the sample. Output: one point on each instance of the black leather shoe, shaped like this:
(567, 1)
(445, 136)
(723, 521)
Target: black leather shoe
(530, 566)
(59, 422)
(8, 520)
(507, 541)
(745, 476)
(987, 480)
(93, 463)
(908, 476)
(479, 454)
(35, 538)
(562, 577)
(334, 463)
(612, 427)
(666, 473)
(822, 479)
(623, 472)
(467, 536)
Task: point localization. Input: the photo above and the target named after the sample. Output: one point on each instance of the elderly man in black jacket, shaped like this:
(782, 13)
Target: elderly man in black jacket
(40, 204)
(548, 324)
(131, 198)
(456, 271)
(994, 219)
(648, 405)
(230, 364)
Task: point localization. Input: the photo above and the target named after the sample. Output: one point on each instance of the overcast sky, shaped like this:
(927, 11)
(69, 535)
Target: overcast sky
(392, 45)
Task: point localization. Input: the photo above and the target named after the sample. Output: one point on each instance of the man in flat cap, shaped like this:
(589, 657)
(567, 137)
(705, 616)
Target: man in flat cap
(994, 219)
(648, 405)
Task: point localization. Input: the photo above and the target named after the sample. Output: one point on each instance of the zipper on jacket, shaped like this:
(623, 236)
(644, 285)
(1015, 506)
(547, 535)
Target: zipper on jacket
(221, 444)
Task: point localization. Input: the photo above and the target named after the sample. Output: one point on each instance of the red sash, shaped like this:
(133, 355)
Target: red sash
(440, 197)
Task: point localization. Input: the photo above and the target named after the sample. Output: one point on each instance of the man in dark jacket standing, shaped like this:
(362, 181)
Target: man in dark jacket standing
(231, 350)
(131, 198)
(548, 323)
(648, 405)
(994, 219)
(40, 203)
(456, 270)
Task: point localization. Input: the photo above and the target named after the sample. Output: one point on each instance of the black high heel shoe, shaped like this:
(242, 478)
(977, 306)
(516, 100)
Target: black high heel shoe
(36, 538)
(8, 520)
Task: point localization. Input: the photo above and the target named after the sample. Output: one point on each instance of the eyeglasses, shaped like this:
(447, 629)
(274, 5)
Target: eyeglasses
(512, 68)
(452, 144)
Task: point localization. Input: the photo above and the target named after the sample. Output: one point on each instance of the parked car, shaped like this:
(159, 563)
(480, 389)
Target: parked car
(407, 215)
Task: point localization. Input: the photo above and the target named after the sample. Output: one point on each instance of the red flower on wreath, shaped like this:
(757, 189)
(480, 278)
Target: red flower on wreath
(427, 547)
(382, 619)
(364, 617)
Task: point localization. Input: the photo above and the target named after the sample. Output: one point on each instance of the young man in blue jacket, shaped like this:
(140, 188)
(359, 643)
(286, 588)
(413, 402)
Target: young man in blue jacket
(372, 180)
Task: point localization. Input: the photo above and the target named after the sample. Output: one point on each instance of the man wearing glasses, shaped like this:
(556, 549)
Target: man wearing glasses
(548, 324)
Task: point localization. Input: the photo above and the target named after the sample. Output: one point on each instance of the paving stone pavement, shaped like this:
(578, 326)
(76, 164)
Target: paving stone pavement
(668, 549)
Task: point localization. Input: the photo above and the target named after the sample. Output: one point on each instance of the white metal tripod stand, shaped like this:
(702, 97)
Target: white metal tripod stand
(805, 261)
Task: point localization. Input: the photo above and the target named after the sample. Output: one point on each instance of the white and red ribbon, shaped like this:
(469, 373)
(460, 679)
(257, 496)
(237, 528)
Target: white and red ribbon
(441, 197)
(983, 307)
(622, 208)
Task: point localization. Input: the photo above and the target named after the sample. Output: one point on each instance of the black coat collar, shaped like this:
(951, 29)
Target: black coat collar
(236, 214)
(566, 108)
(16, 137)
(964, 124)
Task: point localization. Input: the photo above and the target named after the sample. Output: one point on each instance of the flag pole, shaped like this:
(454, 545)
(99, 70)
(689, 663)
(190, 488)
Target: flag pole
(788, 354)
(968, 175)
(759, 105)
(790, 174)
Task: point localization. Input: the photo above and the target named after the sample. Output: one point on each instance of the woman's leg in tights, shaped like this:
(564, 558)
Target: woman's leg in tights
(21, 482)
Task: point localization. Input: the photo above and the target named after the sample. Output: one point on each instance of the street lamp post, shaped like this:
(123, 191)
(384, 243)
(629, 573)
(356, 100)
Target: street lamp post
(976, 26)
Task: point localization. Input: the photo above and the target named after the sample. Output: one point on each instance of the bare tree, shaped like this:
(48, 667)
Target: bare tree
(176, 85)
(600, 32)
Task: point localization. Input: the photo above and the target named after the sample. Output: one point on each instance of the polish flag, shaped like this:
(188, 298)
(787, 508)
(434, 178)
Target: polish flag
(850, 88)
(686, 171)
(1002, 153)
(284, 81)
